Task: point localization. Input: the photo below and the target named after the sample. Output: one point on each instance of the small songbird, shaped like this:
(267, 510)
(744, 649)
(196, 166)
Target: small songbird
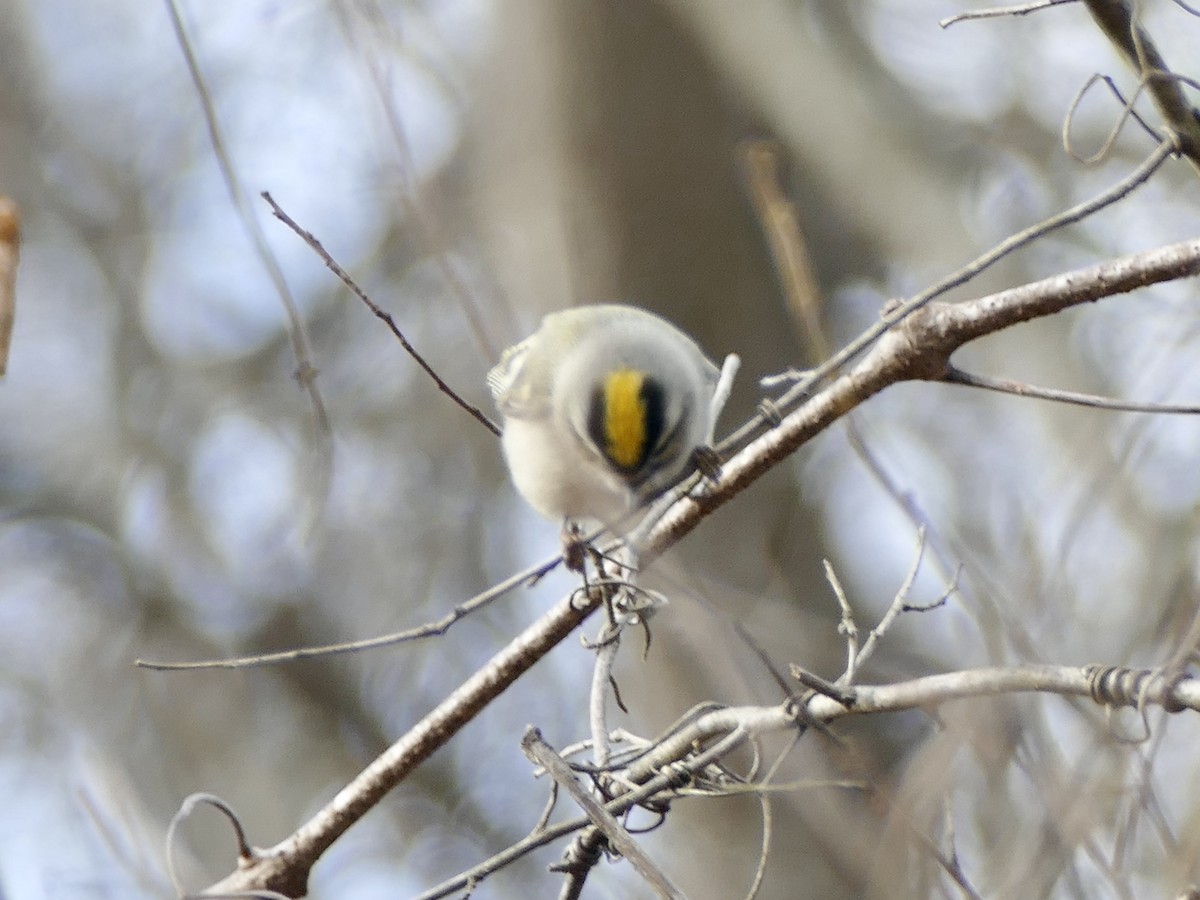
(603, 407)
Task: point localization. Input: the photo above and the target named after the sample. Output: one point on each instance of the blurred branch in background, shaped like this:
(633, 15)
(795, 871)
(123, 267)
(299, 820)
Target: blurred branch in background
(306, 370)
(10, 246)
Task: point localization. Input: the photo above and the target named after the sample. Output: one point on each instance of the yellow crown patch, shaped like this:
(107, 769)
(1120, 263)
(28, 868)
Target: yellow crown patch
(625, 419)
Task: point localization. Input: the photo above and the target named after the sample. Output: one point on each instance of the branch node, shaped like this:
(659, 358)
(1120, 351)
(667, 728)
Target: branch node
(846, 696)
(770, 412)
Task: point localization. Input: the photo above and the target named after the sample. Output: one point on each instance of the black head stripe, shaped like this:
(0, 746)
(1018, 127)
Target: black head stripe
(655, 400)
(595, 419)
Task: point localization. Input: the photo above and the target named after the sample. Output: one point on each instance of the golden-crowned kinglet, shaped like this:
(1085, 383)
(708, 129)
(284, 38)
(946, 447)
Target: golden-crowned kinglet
(603, 407)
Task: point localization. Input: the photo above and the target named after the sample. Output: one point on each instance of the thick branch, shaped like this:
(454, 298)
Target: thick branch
(919, 348)
(285, 866)
(1109, 686)
(675, 760)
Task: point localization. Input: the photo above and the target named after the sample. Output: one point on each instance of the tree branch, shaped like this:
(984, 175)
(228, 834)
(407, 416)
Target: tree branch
(541, 753)
(285, 866)
(678, 759)
(919, 348)
(380, 313)
(1107, 685)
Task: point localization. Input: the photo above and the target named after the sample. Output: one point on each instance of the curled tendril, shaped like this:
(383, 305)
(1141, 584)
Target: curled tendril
(1127, 112)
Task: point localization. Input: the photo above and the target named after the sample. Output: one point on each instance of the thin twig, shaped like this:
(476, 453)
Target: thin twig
(847, 626)
(764, 795)
(430, 629)
(833, 689)
(656, 783)
(997, 12)
(941, 599)
(535, 747)
(244, 852)
(1127, 112)
(897, 605)
(618, 581)
(1020, 389)
(379, 312)
(607, 646)
(789, 251)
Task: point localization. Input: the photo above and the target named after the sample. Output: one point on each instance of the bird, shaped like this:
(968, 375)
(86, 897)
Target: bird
(603, 407)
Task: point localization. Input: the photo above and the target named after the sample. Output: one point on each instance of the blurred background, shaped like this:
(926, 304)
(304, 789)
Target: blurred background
(168, 490)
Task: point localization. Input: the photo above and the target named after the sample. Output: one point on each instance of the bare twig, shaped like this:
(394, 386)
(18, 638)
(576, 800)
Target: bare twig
(607, 646)
(847, 626)
(894, 609)
(541, 753)
(814, 682)
(380, 313)
(655, 783)
(997, 12)
(618, 582)
(941, 599)
(548, 810)
(764, 795)
(10, 245)
(1020, 389)
(430, 629)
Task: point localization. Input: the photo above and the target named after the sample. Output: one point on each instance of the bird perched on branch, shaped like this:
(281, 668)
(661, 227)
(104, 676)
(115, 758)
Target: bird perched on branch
(603, 408)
